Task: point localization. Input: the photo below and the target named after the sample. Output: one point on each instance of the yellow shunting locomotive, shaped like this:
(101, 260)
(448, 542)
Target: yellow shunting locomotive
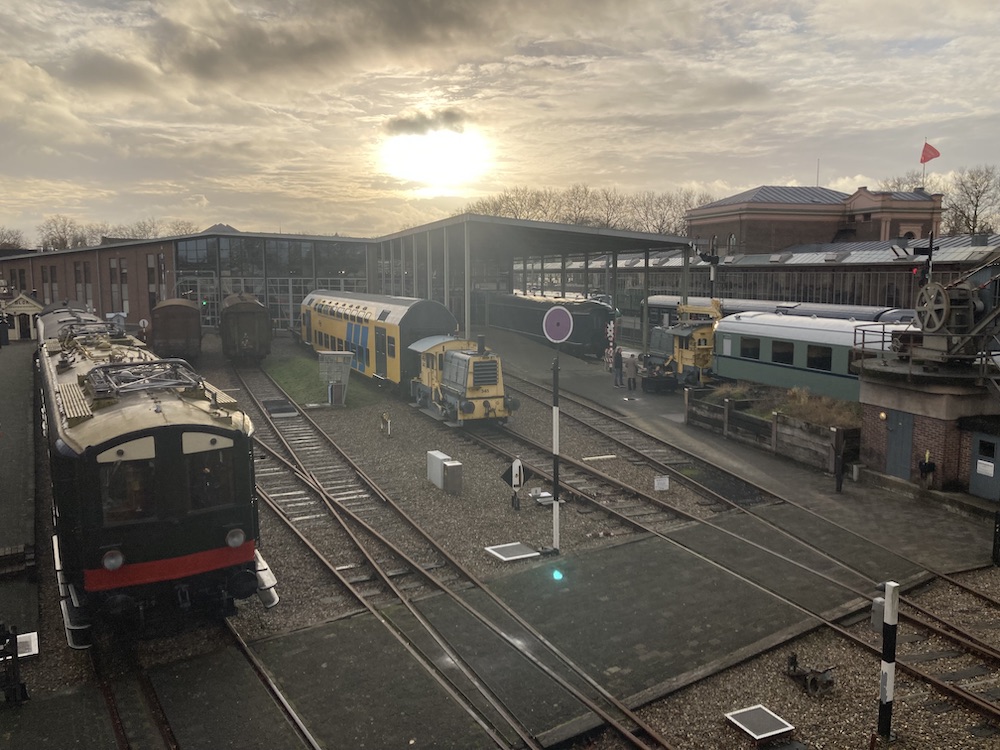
(410, 342)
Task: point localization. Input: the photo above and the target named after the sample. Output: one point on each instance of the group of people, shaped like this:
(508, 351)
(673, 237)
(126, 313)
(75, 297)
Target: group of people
(625, 369)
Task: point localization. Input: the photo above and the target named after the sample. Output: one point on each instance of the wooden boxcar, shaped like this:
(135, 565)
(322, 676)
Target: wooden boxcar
(245, 328)
(175, 329)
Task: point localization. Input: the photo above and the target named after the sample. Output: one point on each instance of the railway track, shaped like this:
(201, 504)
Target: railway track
(960, 662)
(381, 555)
(136, 714)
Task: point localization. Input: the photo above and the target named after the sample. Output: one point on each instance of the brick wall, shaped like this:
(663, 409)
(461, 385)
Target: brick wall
(948, 445)
(944, 440)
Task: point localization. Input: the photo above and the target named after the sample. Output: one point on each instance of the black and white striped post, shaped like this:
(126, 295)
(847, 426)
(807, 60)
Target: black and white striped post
(557, 325)
(890, 618)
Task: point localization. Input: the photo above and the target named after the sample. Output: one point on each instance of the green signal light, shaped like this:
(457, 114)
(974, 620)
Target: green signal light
(557, 575)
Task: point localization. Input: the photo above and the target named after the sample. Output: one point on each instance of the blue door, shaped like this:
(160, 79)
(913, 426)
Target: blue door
(899, 425)
(984, 477)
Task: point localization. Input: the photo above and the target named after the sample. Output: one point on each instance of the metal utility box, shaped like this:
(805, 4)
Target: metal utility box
(452, 477)
(435, 467)
(878, 614)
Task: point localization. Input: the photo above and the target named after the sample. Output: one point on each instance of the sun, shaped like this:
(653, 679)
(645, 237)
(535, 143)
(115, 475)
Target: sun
(439, 159)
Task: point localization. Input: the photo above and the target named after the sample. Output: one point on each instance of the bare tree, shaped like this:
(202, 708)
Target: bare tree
(932, 183)
(175, 227)
(971, 197)
(510, 204)
(60, 232)
(610, 209)
(973, 204)
(578, 206)
(95, 232)
(11, 239)
(657, 213)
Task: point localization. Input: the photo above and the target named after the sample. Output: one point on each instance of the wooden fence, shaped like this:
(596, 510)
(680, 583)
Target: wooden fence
(806, 443)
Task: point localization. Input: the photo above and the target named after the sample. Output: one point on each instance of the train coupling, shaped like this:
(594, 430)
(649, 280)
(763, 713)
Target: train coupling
(266, 581)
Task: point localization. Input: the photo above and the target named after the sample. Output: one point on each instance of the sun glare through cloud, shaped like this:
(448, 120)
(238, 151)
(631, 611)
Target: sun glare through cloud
(439, 159)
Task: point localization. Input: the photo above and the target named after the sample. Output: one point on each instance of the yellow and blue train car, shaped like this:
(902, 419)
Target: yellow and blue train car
(378, 329)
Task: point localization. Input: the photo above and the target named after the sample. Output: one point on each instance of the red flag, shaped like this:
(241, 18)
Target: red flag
(929, 153)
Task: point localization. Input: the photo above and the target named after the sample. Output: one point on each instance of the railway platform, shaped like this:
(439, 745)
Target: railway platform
(18, 590)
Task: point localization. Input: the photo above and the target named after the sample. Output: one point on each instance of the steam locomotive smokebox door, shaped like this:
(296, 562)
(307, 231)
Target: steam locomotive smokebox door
(452, 477)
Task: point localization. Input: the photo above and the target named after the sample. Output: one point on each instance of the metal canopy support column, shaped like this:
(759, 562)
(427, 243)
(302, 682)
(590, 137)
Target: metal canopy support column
(524, 276)
(562, 275)
(541, 274)
(392, 268)
(686, 274)
(430, 278)
(586, 274)
(468, 282)
(416, 288)
(614, 291)
(447, 271)
(381, 267)
(645, 307)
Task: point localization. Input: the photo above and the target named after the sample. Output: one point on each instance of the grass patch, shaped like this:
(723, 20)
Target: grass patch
(298, 374)
(794, 402)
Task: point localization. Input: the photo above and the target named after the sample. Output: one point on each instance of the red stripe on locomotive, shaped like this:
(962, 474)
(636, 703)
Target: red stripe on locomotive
(168, 569)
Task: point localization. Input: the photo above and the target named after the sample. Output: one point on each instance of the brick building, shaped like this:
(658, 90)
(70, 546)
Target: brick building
(769, 219)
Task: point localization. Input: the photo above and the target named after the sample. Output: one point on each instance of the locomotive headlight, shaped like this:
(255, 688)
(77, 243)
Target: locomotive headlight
(235, 538)
(468, 407)
(113, 559)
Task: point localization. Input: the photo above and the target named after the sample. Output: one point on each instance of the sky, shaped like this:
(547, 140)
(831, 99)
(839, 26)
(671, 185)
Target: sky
(365, 117)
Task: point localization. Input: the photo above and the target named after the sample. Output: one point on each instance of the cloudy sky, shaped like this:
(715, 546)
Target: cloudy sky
(363, 117)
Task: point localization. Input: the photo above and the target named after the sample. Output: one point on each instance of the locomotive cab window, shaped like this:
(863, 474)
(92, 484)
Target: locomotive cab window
(208, 463)
(127, 491)
(210, 479)
(390, 345)
(127, 483)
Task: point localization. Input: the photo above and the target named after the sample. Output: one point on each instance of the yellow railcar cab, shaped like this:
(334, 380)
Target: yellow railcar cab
(460, 380)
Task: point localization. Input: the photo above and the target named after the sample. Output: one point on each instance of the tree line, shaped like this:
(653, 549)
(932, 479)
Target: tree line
(971, 206)
(61, 232)
(605, 208)
(971, 203)
(971, 197)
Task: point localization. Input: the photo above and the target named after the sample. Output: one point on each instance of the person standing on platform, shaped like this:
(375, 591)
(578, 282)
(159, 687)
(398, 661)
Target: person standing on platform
(631, 371)
(616, 365)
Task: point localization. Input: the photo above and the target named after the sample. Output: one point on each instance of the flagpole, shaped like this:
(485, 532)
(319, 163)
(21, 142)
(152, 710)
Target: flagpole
(923, 177)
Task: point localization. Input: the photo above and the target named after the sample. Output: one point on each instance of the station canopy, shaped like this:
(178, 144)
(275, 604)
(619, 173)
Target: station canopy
(503, 238)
